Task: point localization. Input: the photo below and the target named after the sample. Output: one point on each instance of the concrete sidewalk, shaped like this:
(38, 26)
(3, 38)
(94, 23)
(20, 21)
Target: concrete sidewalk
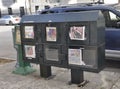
(109, 78)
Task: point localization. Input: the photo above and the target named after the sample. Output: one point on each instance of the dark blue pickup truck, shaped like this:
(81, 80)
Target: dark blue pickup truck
(112, 22)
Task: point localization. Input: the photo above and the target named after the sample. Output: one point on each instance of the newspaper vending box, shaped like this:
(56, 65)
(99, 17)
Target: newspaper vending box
(69, 40)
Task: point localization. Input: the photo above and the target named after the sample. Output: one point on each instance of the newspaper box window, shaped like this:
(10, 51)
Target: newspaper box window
(82, 57)
(29, 32)
(77, 33)
(75, 56)
(51, 34)
(51, 53)
(30, 51)
(92, 54)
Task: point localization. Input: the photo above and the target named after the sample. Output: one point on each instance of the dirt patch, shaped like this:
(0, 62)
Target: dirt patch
(3, 61)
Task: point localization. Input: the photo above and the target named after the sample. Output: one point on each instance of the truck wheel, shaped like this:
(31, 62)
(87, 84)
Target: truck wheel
(10, 23)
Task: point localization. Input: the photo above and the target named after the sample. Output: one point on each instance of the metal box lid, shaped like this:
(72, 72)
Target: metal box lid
(63, 17)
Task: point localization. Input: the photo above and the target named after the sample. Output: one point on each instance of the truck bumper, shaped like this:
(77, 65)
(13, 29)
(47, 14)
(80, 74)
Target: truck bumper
(112, 54)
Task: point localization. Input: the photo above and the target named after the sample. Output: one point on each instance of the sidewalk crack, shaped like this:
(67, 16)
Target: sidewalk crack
(114, 84)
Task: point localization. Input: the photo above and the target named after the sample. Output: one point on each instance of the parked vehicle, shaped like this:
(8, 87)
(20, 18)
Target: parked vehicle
(10, 19)
(112, 23)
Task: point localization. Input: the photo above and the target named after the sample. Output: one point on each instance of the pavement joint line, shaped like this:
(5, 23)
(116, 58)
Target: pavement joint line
(7, 58)
(114, 83)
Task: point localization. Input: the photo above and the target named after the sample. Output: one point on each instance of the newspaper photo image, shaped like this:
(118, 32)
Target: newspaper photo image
(75, 57)
(29, 51)
(77, 33)
(51, 34)
(29, 32)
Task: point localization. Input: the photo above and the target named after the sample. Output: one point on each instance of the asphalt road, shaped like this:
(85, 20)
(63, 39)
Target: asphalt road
(7, 50)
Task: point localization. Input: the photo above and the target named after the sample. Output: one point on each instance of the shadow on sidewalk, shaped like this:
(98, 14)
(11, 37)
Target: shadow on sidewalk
(112, 65)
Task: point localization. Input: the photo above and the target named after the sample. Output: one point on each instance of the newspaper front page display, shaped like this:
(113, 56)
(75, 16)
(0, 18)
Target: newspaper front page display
(77, 33)
(29, 32)
(30, 51)
(75, 57)
(51, 34)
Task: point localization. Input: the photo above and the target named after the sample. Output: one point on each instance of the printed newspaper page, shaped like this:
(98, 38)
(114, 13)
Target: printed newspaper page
(75, 56)
(51, 34)
(77, 33)
(30, 51)
(29, 32)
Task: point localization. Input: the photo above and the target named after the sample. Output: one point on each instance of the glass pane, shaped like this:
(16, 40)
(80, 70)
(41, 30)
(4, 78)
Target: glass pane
(51, 34)
(90, 57)
(29, 32)
(30, 51)
(51, 54)
(77, 33)
(75, 57)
